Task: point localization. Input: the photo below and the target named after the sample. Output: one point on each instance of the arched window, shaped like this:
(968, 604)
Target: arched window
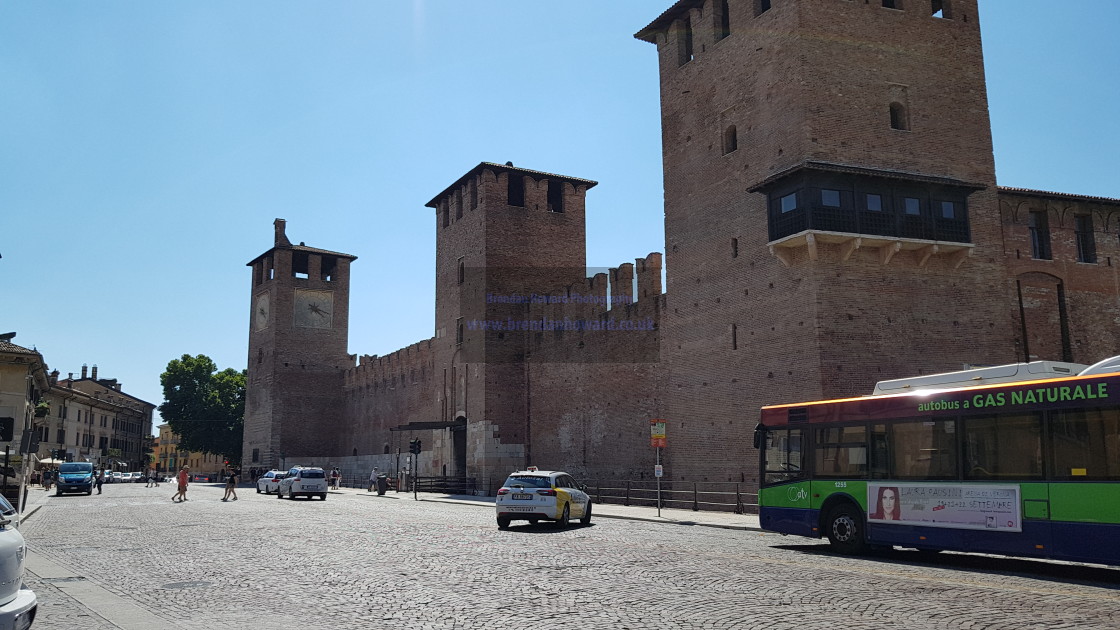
(899, 117)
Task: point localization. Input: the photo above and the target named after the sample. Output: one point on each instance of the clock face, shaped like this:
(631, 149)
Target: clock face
(260, 312)
(313, 309)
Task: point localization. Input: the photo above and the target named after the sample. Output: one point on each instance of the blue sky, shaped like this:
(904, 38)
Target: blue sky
(146, 147)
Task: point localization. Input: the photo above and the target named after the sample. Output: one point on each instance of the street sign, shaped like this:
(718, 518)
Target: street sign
(658, 470)
(657, 433)
(29, 443)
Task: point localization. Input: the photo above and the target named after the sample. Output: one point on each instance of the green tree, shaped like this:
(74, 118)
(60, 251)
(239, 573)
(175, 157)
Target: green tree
(204, 407)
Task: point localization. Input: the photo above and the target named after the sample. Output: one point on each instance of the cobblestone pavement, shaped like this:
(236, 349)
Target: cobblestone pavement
(131, 558)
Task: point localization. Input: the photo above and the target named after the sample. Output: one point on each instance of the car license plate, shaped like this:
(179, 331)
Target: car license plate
(523, 497)
(519, 509)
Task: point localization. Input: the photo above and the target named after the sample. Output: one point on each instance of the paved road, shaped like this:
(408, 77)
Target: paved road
(132, 559)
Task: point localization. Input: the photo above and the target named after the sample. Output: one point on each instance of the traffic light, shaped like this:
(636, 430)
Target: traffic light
(414, 446)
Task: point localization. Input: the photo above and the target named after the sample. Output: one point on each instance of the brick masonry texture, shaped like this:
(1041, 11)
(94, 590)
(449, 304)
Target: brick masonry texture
(742, 323)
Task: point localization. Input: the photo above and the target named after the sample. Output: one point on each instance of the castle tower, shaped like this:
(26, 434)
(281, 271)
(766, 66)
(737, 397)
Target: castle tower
(502, 232)
(830, 209)
(298, 326)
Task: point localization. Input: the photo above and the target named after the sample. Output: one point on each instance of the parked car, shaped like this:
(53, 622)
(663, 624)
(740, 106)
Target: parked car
(18, 604)
(270, 481)
(116, 476)
(308, 482)
(534, 495)
(74, 477)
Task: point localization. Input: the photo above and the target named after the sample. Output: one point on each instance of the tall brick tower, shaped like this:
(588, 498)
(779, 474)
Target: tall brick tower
(504, 232)
(830, 209)
(297, 351)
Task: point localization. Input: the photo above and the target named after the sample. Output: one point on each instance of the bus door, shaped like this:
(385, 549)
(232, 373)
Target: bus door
(1005, 451)
(783, 495)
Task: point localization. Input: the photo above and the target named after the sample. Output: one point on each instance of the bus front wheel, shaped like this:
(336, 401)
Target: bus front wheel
(844, 527)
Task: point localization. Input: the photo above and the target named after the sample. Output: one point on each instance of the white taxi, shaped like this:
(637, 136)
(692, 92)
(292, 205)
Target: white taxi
(535, 495)
(270, 481)
(309, 482)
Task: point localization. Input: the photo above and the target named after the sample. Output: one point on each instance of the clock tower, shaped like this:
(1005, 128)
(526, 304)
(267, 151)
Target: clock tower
(297, 351)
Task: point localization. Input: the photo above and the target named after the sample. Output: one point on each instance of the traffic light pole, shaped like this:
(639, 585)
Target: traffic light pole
(414, 449)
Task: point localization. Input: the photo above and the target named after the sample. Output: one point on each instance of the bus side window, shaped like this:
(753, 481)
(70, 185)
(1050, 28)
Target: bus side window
(841, 452)
(924, 449)
(1003, 446)
(879, 467)
(1086, 444)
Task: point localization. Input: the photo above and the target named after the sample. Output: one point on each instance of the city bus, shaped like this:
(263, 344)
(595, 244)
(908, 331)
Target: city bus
(1025, 468)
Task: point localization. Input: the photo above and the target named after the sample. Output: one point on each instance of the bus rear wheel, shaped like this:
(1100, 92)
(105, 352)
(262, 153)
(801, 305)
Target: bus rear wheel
(844, 527)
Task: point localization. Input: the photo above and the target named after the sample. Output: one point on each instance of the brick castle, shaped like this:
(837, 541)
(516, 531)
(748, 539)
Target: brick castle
(832, 219)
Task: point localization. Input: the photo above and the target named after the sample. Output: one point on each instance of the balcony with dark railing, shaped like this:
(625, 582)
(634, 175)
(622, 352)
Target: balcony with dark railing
(889, 232)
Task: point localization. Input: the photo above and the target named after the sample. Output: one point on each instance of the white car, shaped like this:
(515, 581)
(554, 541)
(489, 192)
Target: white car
(116, 476)
(535, 495)
(18, 605)
(309, 482)
(270, 481)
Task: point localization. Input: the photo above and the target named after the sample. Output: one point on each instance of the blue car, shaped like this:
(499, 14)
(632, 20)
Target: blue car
(74, 477)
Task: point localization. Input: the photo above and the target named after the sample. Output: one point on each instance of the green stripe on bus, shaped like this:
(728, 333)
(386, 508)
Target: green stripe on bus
(1085, 502)
(794, 495)
(821, 490)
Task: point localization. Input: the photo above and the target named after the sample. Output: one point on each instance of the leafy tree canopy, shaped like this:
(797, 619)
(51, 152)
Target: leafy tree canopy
(203, 406)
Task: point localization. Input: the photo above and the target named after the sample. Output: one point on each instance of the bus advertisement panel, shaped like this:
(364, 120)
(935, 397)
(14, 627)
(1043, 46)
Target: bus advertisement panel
(958, 506)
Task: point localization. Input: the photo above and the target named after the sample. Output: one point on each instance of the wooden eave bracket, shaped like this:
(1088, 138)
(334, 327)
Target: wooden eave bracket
(782, 254)
(957, 257)
(924, 254)
(850, 248)
(887, 252)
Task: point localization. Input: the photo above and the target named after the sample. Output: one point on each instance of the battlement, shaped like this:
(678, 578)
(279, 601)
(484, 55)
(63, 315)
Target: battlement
(409, 365)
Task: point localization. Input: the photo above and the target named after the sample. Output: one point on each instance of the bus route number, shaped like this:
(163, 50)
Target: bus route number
(841, 484)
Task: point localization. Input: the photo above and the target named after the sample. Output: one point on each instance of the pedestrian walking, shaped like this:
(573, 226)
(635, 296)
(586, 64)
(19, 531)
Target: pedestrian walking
(181, 495)
(372, 479)
(231, 485)
(154, 476)
(336, 477)
(99, 479)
